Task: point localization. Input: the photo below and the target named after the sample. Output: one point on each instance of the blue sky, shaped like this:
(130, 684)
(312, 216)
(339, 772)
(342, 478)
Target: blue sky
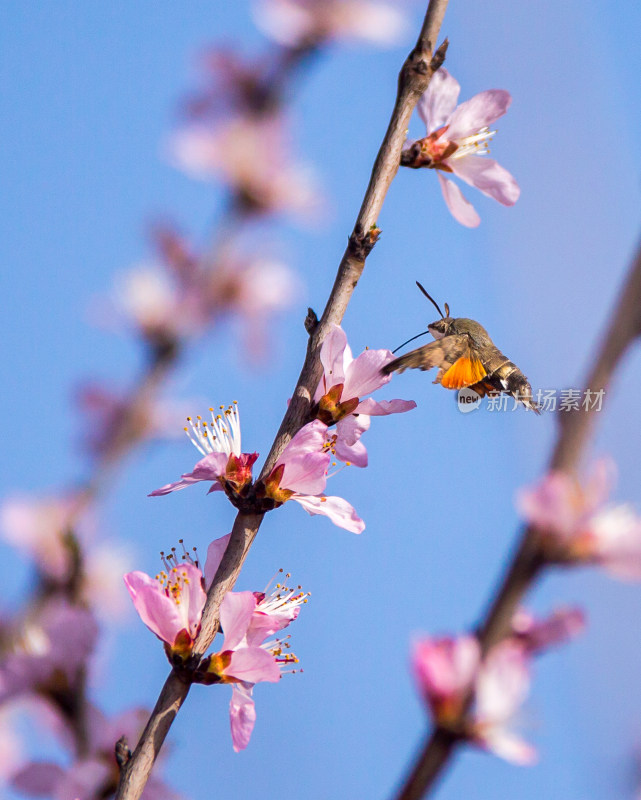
(89, 93)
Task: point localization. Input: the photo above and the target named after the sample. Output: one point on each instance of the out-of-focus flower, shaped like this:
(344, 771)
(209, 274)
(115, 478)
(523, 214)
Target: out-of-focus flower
(247, 619)
(11, 746)
(297, 23)
(47, 650)
(224, 464)
(576, 527)
(171, 604)
(458, 137)
(445, 670)
(254, 157)
(344, 382)
(61, 540)
(537, 635)
(232, 84)
(41, 528)
(107, 413)
(502, 685)
(300, 474)
(96, 775)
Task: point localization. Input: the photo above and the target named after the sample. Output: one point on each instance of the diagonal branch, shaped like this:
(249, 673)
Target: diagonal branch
(575, 428)
(414, 78)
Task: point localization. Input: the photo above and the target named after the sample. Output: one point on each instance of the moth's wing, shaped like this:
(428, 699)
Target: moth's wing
(442, 353)
(467, 370)
(484, 388)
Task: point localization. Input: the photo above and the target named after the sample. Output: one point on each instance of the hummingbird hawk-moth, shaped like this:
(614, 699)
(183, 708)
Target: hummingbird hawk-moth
(466, 357)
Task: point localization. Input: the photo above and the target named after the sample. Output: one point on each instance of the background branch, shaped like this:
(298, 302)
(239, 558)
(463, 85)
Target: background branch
(414, 78)
(575, 428)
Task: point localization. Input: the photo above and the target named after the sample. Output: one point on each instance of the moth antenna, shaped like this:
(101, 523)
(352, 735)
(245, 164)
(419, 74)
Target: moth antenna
(422, 333)
(432, 301)
(447, 310)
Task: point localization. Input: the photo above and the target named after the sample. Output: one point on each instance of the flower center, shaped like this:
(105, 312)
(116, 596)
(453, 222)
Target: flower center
(221, 435)
(478, 144)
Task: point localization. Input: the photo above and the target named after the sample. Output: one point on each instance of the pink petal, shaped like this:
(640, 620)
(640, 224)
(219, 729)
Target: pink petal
(331, 356)
(439, 101)
(156, 610)
(488, 177)
(84, 779)
(354, 454)
(209, 468)
(350, 429)
(193, 597)
(215, 553)
(307, 474)
(38, 779)
(338, 510)
(264, 625)
(382, 408)
(503, 683)
(617, 536)
(363, 376)
(462, 210)
(446, 667)
(540, 634)
(509, 746)
(253, 664)
(478, 112)
(242, 716)
(236, 612)
(348, 447)
(309, 439)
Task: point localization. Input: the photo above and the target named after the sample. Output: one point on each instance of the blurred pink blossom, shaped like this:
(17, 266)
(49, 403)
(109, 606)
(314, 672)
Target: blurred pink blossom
(458, 137)
(95, 775)
(224, 464)
(40, 528)
(297, 23)
(300, 474)
(60, 537)
(171, 604)
(345, 381)
(537, 635)
(105, 412)
(576, 526)
(445, 670)
(502, 685)
(254, 156)
(47, 650)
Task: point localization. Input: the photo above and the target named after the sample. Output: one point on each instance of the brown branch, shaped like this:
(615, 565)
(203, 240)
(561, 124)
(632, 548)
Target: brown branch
(575, 428)
(414, 78)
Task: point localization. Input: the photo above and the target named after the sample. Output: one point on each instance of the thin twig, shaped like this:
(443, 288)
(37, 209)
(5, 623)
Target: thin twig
(575, 428)
(414, 78)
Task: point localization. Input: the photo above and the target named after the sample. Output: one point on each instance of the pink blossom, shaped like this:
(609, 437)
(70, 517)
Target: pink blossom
(298, 23)
(171, 604)
(254, 157)
(107, 413)
(224, 465)
(300, 474)
(576, 526)
(338, 396)
(95, 775)
(245, 659)
(536, 635)
(458, 137)
(47, 649)
(40, 527)
(445, 670)
(502, 685)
